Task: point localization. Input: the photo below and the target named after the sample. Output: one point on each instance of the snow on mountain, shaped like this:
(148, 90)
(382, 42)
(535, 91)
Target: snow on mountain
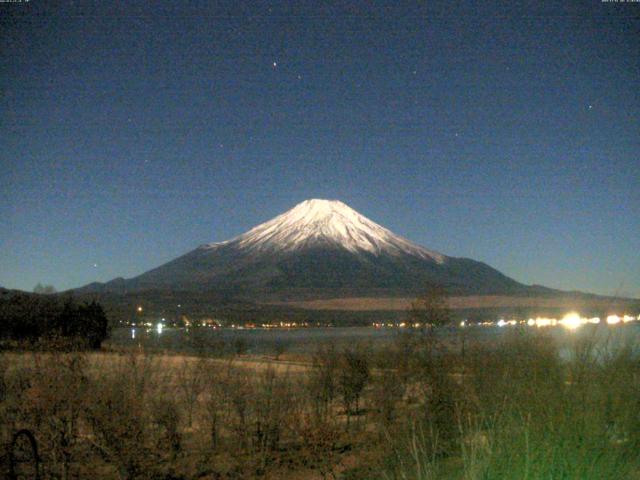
(319, 246)
(319, 222)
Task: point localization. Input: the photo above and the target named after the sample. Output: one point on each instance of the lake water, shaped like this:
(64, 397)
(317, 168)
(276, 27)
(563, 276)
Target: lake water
(256, 341)
(305, 340)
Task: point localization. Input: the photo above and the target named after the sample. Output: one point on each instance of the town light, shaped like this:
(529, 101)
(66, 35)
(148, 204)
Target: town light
(613, 319)
(571, 321)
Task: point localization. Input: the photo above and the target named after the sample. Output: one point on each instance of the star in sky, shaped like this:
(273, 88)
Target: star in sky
(358, 125)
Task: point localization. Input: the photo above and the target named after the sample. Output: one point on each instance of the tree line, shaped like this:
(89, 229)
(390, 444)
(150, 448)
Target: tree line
(28, 318)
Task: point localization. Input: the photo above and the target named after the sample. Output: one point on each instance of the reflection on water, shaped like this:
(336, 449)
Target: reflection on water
(603, 340)
(304, 340)
(256, 341)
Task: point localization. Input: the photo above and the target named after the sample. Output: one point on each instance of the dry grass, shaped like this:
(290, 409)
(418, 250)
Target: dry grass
(413, 408)
(466, 302)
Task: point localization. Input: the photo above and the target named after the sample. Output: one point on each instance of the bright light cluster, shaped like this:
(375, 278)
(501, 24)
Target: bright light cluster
(542, 322)
(573, 320)
(614, 319)
(570, 321)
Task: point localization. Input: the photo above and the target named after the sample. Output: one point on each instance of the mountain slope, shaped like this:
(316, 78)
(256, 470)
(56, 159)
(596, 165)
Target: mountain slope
(317, 245)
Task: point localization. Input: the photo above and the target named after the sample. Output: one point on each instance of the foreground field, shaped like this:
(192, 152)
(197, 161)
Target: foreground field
(412, 408)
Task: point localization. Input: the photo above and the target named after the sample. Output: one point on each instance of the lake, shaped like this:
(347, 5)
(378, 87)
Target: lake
(307, 340)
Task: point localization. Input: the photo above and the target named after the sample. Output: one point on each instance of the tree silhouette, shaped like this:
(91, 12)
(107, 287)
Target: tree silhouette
(431, 309)
(44, 289)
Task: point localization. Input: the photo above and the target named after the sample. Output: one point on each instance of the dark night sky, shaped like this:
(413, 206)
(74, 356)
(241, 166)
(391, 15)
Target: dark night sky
(508, 132)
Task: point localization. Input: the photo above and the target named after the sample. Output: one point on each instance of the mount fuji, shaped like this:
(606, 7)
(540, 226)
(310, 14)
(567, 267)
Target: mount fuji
(321, 247)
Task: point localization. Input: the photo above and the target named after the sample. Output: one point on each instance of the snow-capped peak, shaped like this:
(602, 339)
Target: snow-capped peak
(332, 222)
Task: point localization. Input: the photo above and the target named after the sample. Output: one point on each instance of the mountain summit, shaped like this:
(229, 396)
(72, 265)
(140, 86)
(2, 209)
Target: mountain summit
(318, 246)
(316, 222)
